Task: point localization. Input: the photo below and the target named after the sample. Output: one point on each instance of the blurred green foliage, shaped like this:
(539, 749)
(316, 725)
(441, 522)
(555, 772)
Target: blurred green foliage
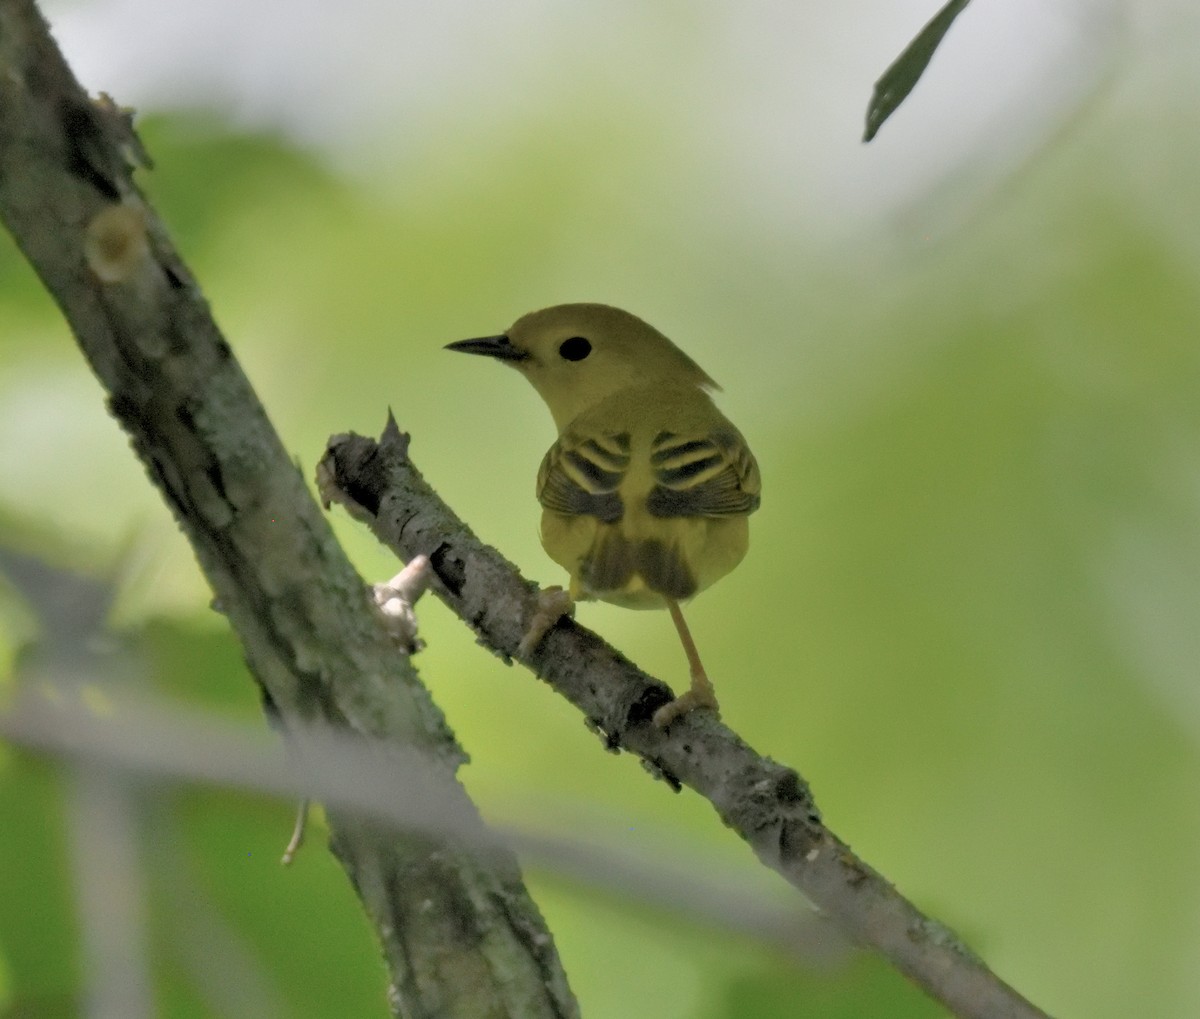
(968, 615)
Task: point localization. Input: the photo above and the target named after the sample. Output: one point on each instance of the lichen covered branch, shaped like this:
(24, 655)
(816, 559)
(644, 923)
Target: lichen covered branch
(459, 932)
(766, 803)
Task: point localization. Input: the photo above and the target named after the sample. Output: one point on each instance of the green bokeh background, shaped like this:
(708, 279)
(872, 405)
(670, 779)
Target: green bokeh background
(970, 611)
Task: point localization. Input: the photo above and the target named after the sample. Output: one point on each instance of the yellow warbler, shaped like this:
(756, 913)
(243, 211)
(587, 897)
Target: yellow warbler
(645, 495)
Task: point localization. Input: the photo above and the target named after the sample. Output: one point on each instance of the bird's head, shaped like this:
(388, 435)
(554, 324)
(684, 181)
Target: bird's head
(576, 355)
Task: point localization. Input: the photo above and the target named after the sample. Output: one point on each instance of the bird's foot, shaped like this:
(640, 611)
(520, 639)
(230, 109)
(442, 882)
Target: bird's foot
(552, 604)
(699, 696)
(396, 599)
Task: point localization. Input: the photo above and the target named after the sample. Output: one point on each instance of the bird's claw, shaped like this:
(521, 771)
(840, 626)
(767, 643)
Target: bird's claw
(689, 700)
(396, 599)
(552, 604)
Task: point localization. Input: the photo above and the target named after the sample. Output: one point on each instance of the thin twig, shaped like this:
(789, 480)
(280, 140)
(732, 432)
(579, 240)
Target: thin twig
(299, 830)
(110, 894)
(159, 743)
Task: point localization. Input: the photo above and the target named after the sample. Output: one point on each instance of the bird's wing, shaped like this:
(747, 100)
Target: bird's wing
(580, 475)
(713, 474)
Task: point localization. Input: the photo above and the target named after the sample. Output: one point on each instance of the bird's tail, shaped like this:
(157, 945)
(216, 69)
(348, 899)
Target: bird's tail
(619, 565)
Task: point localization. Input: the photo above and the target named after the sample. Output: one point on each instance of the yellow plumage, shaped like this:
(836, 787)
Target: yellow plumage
(646, 493)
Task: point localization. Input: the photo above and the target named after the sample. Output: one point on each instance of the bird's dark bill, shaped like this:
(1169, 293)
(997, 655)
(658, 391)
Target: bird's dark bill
(499, 347)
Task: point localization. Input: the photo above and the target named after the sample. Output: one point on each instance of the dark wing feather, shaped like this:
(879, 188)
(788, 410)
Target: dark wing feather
(580, 477)
(713, 475)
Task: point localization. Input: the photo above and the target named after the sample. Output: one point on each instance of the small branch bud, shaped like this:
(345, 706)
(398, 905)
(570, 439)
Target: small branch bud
(115, 243)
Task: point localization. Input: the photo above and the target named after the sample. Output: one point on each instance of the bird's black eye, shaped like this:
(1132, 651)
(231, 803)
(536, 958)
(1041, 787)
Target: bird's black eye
(574, 349)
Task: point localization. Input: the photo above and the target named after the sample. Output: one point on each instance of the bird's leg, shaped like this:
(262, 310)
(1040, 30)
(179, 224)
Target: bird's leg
(700, 694)
(552, 604)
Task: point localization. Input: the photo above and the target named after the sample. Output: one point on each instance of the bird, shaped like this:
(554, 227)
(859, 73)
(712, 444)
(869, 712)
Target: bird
(647, 490)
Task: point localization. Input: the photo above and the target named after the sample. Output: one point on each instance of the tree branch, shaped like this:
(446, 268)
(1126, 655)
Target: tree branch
(460, 934)
(767, 804)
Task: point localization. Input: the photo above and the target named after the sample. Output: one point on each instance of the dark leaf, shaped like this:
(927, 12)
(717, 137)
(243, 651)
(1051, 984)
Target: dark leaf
(899, 79)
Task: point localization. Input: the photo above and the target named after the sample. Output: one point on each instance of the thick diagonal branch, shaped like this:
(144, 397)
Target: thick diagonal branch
(460, 934)
(766, 803)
